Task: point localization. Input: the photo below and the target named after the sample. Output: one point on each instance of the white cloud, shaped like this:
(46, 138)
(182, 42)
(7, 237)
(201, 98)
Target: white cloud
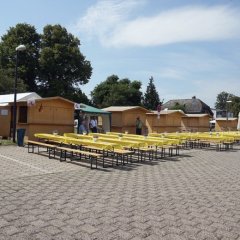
(110, 22)
(101, 18)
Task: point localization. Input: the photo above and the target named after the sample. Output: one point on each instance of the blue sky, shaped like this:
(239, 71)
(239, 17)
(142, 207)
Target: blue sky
(191, 48)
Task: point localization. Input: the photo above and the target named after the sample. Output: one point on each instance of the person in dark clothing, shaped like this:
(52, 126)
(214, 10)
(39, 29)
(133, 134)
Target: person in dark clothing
(139, 126)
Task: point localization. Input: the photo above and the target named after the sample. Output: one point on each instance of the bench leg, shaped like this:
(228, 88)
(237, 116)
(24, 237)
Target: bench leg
(30, 146)
(63, 154)
(91, 160)
(103, 158)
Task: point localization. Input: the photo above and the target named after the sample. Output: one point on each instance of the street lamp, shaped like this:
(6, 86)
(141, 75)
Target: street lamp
(20, 48)
(228, 101)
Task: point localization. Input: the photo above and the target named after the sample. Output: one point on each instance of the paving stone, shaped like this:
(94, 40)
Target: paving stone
(10, 230)
(3, 223)
(195, 196)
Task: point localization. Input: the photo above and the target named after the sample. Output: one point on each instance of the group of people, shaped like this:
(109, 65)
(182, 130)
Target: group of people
(85, 125)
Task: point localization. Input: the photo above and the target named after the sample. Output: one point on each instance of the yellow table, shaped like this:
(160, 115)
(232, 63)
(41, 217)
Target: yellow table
(48, 136)
(86, 142)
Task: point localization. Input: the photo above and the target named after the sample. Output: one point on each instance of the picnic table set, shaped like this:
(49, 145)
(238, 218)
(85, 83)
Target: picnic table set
(122, 146)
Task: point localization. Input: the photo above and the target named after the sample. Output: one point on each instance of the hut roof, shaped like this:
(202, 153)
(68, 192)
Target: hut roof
(225, 119)
(53, 98)
(124, 108)
(197, 115)
(9, 98)
(192, 106)
(166, 112)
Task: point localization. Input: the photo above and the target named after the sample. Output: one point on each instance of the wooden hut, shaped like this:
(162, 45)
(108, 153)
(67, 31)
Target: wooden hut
(5, 119)
(124, 118)
(224, 124)
(6, 110)
(169, 121)
(43, 115)
(196, 122)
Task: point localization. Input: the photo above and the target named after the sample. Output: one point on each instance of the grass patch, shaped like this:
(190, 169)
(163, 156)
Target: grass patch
(5, 142)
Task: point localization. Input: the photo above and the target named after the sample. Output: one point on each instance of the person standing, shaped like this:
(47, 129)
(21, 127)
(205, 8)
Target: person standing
(79, 122)
(93, 124)
(139, 126)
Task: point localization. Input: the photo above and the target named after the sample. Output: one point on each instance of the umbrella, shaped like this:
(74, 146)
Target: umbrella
(238, 125)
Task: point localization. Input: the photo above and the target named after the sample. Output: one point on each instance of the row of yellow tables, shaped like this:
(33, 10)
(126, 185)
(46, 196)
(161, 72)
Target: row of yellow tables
(110, 141)
(77, 141)
(221, 137)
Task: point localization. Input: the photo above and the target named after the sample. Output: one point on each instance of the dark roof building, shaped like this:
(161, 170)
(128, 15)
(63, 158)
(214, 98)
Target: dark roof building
(191, 106)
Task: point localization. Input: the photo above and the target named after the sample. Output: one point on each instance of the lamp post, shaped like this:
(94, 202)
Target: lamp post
(20, 48)
(228, 101)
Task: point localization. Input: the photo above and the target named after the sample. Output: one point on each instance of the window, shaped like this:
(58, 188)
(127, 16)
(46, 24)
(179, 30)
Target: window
(22, 114)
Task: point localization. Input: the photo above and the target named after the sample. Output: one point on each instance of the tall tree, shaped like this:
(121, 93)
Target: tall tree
(117, 92)
(235, 105)
(7, 83)
(232, 106)
(151, 98)
(28, 60)
(54, 67)
(221, 101)
(63, 68)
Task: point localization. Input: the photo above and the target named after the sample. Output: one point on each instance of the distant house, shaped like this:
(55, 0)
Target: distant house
(191, 106)
(223, 114)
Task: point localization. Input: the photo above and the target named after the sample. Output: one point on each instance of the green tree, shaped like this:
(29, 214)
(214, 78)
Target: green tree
(233, 106)
(221, 101)
(117, 92)
(178, 106)
(28, 60)
(63, 68)
(51, 65)
(7, 83)
(151, 98)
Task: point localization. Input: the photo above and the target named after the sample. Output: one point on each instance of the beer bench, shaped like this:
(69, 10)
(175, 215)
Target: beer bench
(90, 155)
(122, 153)
(33, 144)
(63, 151)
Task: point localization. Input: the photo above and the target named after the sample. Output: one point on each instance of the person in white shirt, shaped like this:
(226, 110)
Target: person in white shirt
(93, 124)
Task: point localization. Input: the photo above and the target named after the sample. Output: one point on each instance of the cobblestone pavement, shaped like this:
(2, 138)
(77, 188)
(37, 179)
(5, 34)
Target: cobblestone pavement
(194, 196)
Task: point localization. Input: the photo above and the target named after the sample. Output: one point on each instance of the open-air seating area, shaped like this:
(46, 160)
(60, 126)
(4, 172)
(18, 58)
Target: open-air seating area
(121, 148)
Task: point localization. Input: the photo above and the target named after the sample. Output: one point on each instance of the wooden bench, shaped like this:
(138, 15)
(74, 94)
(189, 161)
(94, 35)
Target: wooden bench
(63, 151)
(170, 149)
(122, 153)
(32, 144)
(219, 145)
(90, 155)
(142, 153)
(97, 150)
(228, 145)
(119, 153)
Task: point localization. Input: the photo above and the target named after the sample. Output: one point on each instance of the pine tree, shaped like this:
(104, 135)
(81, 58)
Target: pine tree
(151, 97)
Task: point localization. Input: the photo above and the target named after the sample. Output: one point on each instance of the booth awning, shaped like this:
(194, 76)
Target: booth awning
(92, 111)
(89, 109)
